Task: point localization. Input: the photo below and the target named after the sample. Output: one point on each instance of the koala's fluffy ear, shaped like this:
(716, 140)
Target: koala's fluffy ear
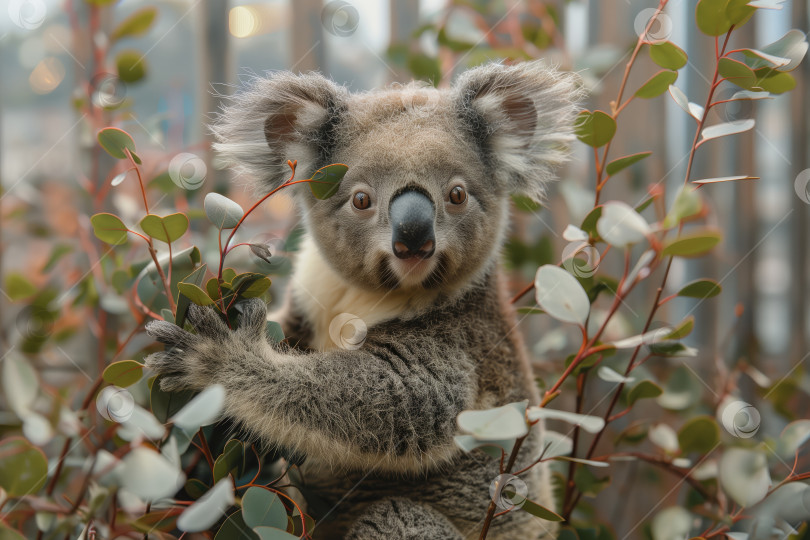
(522, 118)
(283, 117)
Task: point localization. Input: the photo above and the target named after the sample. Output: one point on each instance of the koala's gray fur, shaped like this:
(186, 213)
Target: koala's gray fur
(377, 422)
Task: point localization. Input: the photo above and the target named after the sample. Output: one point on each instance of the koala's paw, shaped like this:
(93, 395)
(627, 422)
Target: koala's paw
(195, 361)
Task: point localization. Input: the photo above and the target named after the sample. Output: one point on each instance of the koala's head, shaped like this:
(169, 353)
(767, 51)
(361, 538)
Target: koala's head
(424, 203)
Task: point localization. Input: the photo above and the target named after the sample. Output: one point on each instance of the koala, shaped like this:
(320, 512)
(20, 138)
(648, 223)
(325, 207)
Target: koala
(409, 246)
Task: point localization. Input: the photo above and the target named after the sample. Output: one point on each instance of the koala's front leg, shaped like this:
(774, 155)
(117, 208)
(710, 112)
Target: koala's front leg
(391, 404)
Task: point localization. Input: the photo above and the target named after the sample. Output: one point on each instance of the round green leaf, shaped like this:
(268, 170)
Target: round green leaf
(701, 288)
(561, 295)
(737, 72)
(7, 533)
(711, 17)
(23, 467)
(595, 128)
(195, 294)
(131, 66)
(196, 488)
(775, 82)
(231, 459)
(136, 24)
(123, 373)
(166, 229)
(727, 128)
(682, 330)
(109, 228)
(744, 475)
(207, 509)
(692, 245)
(263, 508)
(115, 140)
(738, 12)
(223, 212)
(623, 162)
(18, 287)
(657, 84)
(668, 55)
(324, 183)
(643, 390)
(699, 434)
(235, 528)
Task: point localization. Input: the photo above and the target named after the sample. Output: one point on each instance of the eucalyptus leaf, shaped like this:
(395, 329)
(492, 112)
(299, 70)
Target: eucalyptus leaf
(687, 204)
(692, 109)
(692, 244)
(506, 422)
(591, 424)
(206, 511)
(23, 469)
(670, 523)
(643, 390)
(115, 141)
(326, 180)
(123, 373)
(263, 508)
(20, 383)
(744, 475)
(668, 55)
(721, 179)
(657, 84)
(166, 229)
(664, 437)
(620, 225)
(221, 211)
(202, 410)
(623, 162)
(135, 25)
(727, 128)
(560, 295)
(595, 129)
(149, 475)
(609, 374)
(700, 288)
(699, 434)
(109, 228)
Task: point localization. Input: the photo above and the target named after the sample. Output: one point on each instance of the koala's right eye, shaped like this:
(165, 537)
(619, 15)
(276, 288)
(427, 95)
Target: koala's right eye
(361, 200)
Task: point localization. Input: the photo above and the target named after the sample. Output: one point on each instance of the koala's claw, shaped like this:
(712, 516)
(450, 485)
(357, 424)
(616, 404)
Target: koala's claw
(193, 360)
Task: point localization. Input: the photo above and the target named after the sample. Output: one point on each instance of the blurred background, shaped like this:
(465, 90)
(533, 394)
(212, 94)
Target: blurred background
(161, 79)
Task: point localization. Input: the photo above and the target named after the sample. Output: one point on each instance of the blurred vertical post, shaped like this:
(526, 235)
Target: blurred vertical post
(306, 35)
(215, 69)
(404, 20)
(800, 161)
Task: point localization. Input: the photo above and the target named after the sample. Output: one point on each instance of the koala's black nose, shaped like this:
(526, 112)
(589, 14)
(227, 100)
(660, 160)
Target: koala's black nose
(411, 215)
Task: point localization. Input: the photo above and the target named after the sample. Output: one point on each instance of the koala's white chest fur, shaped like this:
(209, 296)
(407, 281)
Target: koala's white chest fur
(322, 296)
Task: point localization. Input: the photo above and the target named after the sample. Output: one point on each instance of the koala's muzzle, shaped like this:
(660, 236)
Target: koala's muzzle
(411, 214)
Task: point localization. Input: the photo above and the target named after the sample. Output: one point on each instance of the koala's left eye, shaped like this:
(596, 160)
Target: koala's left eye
(458, 195)
(361, 200)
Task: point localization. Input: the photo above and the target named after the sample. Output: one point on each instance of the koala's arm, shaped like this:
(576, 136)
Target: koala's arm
(392, 404)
